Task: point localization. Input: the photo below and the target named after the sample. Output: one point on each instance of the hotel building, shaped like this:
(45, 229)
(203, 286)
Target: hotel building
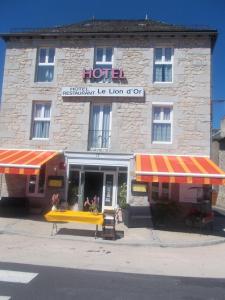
(104, 105)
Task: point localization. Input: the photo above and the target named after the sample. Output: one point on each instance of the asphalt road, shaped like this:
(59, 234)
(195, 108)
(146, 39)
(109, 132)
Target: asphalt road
(61, 283)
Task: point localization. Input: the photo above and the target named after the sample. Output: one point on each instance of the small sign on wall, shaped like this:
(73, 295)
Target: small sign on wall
(112, 91)
(56, 181)
(139, 188)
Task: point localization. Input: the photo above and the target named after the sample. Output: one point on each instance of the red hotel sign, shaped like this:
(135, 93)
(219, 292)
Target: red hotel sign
(103, 72)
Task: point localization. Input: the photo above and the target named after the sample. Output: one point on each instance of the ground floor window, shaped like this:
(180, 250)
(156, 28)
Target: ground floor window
(160, 191)
(36, 183)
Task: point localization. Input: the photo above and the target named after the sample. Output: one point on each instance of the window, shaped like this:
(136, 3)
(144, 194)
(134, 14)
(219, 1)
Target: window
(162, 124)
(45, 65)
(163, 63)
(36, 183)
(103, 60)
(160, 191)
(41, 120)
(99, 129)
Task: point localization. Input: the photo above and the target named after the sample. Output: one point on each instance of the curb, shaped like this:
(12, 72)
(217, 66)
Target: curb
(161, 244)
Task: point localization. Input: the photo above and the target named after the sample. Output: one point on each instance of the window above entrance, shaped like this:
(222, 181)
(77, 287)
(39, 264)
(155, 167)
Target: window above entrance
(100, 127)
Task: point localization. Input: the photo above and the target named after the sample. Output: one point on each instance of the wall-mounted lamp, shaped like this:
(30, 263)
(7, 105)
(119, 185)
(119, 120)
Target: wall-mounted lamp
(55, 170)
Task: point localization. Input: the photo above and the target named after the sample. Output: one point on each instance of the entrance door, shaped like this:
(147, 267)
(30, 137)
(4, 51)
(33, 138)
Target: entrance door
(109, 191)
(93, 186)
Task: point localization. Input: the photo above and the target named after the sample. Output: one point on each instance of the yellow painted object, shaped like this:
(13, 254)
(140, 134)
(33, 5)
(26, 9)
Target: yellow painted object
(74, 216)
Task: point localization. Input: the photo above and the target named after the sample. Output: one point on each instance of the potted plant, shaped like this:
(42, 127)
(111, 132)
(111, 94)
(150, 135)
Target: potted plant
(55, 201)
(72, 196)
(94, 205)
(123, 202)
(93, 208)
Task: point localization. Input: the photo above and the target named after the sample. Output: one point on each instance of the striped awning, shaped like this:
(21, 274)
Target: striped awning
(27, 162)
(178, 169)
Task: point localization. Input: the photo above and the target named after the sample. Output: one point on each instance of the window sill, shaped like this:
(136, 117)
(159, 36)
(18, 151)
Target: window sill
(44, 84)
(163, 82)
(99, 149)
(40, 139)
(162, 143)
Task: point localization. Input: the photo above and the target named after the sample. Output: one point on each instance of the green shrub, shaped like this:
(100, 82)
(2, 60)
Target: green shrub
(72, 195)
(123, 196)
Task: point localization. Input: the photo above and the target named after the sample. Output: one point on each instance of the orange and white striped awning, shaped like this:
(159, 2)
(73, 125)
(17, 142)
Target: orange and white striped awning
(178, 169)
(27, 162)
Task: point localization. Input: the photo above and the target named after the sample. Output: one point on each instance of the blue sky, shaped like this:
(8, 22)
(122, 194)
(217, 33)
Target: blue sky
(32, 14)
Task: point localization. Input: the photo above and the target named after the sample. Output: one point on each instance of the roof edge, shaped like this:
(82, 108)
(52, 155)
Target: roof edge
(6, 36)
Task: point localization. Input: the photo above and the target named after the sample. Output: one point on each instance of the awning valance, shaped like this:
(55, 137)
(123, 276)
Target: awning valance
(178, 169)
(27, 162)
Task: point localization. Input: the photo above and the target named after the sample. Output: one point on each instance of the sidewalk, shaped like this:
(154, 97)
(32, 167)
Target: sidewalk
(36, 226)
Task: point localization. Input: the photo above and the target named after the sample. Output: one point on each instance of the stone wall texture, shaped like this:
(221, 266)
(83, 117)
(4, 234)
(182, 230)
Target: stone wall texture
(218, 156)
(221, 193)
(131, 118)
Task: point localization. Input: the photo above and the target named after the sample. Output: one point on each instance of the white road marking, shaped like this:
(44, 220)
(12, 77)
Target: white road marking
(17, 277)
(5, 297)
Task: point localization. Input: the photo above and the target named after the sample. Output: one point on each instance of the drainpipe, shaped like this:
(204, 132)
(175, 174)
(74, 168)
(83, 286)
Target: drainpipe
(66, 174)
(1, 175)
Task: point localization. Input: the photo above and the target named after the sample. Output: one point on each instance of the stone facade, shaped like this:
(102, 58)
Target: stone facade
(221, 193)
(218, 156)
(189, 94)
(131, 119)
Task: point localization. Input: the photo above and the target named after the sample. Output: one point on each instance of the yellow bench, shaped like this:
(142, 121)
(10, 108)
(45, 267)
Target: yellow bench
(74, 216)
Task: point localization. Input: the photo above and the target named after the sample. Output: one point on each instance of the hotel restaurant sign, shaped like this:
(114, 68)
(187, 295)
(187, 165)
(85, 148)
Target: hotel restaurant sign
(112, 91)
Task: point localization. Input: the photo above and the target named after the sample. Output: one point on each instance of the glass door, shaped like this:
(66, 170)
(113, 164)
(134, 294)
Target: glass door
(109, 191)
(73, 189)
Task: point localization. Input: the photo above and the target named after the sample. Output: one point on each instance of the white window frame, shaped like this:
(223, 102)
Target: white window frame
(160, 191)
(103, 62)
(40, 119)
(161, 121)
(35, 194)
(100, 127)
(164, 62)
(99, 64)
(46, 63)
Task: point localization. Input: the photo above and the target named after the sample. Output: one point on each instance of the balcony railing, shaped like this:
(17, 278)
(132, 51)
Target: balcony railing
(99, 139)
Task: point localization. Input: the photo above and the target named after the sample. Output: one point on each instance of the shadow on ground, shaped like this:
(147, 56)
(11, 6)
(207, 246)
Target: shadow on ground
(217, 228)
(20, 210)
(87, 233)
